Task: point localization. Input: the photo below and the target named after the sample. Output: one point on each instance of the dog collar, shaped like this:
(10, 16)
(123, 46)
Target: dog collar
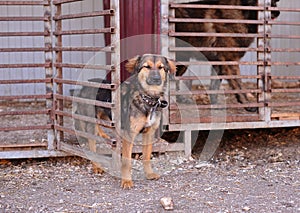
(154, 102)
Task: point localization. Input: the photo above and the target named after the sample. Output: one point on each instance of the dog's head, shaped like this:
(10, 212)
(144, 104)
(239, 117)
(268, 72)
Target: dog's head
(152, 71)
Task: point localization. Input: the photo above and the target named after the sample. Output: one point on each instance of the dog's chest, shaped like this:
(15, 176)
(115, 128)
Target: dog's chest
(151, 119)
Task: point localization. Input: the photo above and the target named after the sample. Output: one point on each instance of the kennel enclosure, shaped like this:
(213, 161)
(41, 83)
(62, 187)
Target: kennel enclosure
(50, 49)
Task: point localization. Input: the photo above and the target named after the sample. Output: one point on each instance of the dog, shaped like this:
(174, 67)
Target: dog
(214, 41)
(142, 103)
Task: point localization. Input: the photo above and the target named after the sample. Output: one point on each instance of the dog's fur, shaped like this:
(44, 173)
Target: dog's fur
(142, 102)
(210, 41)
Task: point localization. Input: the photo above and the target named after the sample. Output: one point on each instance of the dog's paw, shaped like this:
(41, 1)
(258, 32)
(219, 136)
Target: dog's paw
(97, 169)
(152, 176)
(126, 184)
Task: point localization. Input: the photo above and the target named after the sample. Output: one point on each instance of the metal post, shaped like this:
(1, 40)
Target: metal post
(59, 73)
(49, 70)
(116, 79)
(265, 56)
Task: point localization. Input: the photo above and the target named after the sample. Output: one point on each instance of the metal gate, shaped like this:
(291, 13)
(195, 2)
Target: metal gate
(40, 123)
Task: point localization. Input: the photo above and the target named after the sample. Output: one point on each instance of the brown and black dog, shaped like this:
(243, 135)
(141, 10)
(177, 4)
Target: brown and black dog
(214, 41)
(142, 103)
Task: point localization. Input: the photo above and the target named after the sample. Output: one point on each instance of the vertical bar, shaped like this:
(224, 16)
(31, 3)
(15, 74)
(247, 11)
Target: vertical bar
(59, 73)
(265, 56)
(49, 70)
(166, 42)
(116, 79)
(187, 143)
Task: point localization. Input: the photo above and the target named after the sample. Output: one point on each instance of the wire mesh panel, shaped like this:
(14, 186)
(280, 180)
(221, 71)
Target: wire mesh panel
(25, 76)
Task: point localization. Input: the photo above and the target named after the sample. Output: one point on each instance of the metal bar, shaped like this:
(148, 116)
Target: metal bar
(277, 63)
(200, 92)
(200, 34)
(285, 77)
(284, 36)
(283, 23)
(26, 112)
(18, 128)
(85, 66)
(87, 83)
(105, 123)
(221, 77)
(8, 34)
(26, 81)
(225, 21)
(215, 106)
(85, 101)
(86, 31)
(166, 42)
(22, 18)
(48, 43)
(282, 9)
(92, 49)
(284, 49)
(13, 97)
(9, 146)
(234, 125)
(220, 63)
(24, 3)
(23, 65)
(221, 49)
(84, 15)
(33, 49)
(58, 2)
(284, 104)
(213, 119)
(115, 21)
(59, 120)
(85, 135)
(19, 154)
(204, 6)
(289, 90)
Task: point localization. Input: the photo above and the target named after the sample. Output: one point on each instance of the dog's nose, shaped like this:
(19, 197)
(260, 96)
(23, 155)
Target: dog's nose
(154, 78)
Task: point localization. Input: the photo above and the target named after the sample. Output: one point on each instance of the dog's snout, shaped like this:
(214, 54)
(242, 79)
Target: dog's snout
(154, 78)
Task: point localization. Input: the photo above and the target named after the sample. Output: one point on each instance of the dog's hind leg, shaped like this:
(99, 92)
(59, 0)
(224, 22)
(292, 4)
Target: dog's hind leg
(93, 147)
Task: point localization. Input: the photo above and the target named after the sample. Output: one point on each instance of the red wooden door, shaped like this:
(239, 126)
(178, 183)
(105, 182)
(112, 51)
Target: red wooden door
(137, 18)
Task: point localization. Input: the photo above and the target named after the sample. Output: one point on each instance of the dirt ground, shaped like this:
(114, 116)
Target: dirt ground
(252, 171)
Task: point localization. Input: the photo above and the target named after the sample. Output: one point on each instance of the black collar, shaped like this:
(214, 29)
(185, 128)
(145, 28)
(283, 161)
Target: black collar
(154, 102)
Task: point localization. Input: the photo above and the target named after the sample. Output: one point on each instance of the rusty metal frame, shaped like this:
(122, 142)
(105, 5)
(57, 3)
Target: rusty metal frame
(265, 118)
(31, 149)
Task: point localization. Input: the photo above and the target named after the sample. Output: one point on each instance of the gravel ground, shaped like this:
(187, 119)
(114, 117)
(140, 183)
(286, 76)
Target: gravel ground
(252, 171)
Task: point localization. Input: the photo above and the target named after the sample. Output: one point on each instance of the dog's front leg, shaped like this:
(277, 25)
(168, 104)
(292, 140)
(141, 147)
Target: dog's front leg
(148, 138)
(126, 182)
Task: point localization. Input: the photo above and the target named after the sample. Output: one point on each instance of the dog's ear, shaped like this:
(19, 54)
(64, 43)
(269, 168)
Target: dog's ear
(132, 64)
(170, 68)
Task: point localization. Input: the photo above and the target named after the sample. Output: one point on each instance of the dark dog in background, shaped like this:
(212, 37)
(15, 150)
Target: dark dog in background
(214, 41)
(142, 103)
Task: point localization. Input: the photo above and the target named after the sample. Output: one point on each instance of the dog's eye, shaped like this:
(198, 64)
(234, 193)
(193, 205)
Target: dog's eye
(161, 67)
(147, 66)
